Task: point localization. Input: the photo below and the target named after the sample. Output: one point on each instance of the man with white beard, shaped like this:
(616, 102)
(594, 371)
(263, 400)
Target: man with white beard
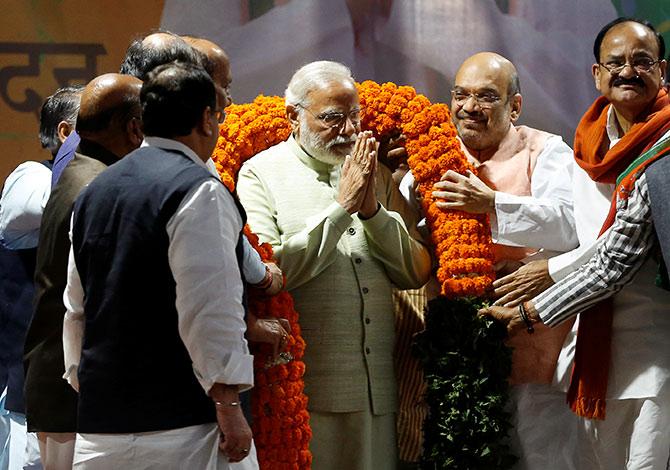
(339, 228)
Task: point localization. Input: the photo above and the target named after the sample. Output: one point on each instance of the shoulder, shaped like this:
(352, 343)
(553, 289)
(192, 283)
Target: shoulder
(29, 169)
(269, 163)
(544, 143)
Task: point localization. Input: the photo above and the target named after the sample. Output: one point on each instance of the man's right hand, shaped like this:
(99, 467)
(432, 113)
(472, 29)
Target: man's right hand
(356, 171)
(523, 284)
(236, 434)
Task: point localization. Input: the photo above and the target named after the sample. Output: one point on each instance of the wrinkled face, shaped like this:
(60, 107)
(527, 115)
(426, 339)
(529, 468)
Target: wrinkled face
(631, 89)
(323, 137)
(481, 108)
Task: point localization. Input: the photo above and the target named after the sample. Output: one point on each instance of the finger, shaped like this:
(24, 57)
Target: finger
(504, 281)
(509, 298)
(452, 205)
(515, 303)
(448, 186)
(451, 175)
(285, 324)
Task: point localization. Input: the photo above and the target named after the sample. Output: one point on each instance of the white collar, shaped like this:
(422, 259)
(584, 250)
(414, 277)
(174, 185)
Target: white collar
(612, 127)
(169, 144)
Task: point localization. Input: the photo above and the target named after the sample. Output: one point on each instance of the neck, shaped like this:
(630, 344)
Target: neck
(482, 155)
(624, 120)
(194, 144)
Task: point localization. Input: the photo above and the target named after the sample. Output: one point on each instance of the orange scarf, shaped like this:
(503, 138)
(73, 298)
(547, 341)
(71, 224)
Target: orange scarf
(588, 384)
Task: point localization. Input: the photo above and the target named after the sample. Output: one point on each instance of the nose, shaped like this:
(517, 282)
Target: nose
(628, 71)
(349, 127)
(470, 104)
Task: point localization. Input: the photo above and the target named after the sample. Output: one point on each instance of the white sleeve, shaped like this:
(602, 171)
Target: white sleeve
(545, 218)
(203, 237)
(252, 265)
(24, 196)
(73, 322)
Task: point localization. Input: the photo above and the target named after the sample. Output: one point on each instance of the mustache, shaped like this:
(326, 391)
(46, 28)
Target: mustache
(637, 81)
(342, 139)
(477, 116)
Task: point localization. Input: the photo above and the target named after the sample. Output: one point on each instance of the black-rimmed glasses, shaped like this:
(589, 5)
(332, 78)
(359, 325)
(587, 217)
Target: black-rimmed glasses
(640, 65)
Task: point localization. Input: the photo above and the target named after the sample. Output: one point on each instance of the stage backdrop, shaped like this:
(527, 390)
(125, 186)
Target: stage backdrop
(45, 44)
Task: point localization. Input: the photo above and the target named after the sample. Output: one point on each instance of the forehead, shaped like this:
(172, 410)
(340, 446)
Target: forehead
(629, 37)
(476, 76)
(338, 94)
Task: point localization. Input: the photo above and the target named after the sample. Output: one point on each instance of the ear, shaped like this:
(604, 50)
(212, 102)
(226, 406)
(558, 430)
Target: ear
(206, 124)
(517, 101)
(662, 66)
(134, 132)
(595, 71)
(292, 115)
(64, 129)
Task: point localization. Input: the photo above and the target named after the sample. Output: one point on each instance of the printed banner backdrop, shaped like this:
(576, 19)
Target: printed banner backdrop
(44, 44)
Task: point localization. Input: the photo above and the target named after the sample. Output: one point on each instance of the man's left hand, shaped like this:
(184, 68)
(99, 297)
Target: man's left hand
(509, 317)
(464, 193)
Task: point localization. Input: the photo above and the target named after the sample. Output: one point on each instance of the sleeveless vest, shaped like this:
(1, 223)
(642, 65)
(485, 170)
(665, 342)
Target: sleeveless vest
(135, 373)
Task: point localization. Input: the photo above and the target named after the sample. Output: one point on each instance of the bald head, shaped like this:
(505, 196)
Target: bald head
(145, 54)
(217, 65)
(108, 105)
(486, 100)
(492, 66)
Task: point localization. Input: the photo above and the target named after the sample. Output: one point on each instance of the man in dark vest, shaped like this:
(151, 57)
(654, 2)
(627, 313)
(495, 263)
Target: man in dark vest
(155, 278)
(109, 125)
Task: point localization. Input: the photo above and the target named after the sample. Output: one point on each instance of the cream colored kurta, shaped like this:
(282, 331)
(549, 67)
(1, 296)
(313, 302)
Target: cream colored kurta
(340, 270)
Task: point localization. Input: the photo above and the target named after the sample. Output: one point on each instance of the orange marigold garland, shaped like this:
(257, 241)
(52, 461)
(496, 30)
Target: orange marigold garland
(462, 241)
(462, 244)
(279, 404)
(466, 362)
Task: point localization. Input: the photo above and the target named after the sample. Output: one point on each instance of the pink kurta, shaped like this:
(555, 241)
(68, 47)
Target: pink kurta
(510, 170)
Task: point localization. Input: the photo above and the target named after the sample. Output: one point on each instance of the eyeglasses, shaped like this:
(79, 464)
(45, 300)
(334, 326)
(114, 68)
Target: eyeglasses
(483, 100)
(220, 115)
(640, 65)
(334, 119)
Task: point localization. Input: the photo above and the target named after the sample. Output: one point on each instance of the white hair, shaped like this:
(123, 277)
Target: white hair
(313, 76)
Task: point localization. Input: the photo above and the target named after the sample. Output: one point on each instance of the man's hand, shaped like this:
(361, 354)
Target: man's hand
(511, 317)
(464, 193)
(369, 205)
(273, 331)
(277, 279)
(235, 432)
(523, 284)
(356, 171)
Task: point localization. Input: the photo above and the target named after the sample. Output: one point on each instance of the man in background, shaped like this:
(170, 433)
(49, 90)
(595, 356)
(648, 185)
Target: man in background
(109, 126)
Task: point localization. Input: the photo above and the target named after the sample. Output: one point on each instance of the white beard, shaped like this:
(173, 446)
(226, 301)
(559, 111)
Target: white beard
(320, 150)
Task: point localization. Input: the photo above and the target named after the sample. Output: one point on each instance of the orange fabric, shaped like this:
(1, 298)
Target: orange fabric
(592, 150)
(588, 383)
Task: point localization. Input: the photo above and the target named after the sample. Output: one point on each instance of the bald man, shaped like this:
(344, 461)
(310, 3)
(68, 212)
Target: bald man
(109, 125)
(524, 184)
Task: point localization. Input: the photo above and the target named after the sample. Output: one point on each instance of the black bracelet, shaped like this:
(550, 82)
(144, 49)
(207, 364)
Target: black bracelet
(526, 319)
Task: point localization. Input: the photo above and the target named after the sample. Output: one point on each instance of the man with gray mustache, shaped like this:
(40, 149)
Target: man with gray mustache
(342, 235)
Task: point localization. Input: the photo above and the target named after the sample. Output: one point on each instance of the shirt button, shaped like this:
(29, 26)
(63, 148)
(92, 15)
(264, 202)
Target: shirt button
(367, 350)
(358, 261)
(367, 321)
(352, 231)
(365, 290)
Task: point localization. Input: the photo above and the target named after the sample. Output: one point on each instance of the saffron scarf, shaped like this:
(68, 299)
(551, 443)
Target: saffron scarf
(622, 164)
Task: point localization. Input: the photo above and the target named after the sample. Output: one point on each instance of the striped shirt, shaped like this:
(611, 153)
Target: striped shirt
(620, 253)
